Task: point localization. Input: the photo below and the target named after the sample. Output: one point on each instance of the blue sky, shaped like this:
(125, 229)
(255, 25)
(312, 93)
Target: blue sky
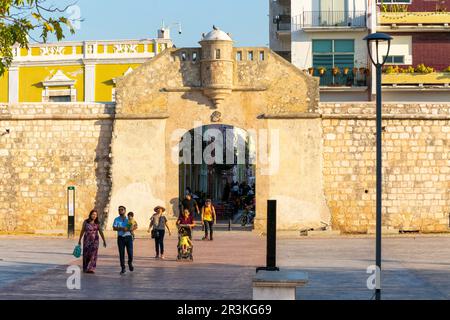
(246, 20)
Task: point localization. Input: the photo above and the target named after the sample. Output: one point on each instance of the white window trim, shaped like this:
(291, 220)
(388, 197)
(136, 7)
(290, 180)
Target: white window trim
(59, 79)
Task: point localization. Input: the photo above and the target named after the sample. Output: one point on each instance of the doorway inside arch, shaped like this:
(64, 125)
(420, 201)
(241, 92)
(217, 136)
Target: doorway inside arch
(217, 162)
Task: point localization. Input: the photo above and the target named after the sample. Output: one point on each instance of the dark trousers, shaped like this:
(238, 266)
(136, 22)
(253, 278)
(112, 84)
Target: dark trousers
(122, 243)
(159, 242)
(208, 226)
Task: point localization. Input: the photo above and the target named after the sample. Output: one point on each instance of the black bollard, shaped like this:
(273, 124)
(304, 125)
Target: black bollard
(271, 255)
(70, 212)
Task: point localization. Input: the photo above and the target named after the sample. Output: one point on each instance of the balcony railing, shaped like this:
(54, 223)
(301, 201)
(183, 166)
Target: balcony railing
(352, 79)
(309, 19)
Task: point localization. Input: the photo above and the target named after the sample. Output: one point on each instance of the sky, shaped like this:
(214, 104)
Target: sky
(246, 20)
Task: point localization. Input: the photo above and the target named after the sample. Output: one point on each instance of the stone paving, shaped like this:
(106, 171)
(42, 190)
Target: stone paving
(413, 268)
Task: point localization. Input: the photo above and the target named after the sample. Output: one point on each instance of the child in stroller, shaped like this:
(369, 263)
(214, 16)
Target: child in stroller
(185, 223)
(185, 246)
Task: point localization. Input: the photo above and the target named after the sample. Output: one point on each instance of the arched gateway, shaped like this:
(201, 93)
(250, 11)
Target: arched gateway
(249, 88)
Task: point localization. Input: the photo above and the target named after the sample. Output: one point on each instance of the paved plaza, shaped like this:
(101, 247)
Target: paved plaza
(414, 267)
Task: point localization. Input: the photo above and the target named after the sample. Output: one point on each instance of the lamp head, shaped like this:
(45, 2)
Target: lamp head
(377, 38)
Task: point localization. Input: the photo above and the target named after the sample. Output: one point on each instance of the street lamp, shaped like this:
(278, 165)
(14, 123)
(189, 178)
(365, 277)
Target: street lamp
(378, 38)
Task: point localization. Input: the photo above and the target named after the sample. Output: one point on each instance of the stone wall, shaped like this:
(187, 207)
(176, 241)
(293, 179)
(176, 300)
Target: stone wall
(416, 166)
(50, 147)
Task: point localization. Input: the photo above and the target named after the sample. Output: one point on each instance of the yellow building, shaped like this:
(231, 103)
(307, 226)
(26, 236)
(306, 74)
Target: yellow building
(75, 71)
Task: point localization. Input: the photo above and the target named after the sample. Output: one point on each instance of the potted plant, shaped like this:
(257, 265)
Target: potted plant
(321, 70)
(408, 70)
(421, 68)
(391, 69)
(311, 71)
(346, 70)
(355, 71)
(335, 71)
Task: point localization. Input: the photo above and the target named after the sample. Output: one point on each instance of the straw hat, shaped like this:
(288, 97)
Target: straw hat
(159, 207)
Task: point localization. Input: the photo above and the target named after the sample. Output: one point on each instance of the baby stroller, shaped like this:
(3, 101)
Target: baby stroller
(184, 231)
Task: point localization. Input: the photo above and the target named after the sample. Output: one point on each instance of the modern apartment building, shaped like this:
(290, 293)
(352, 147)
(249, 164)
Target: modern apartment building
(421, 35)
(325, 38)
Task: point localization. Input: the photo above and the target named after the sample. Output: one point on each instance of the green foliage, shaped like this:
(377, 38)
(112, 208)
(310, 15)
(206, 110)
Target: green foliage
(393, 7)
(392, 69)
(446, 69)
(19, 18)
(410, 69)
(421, 68)
(336, 70)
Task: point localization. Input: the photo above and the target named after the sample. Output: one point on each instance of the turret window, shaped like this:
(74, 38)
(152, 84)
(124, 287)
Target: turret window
(239, 56)
(250, 55)
(261, 55)
(217, 53)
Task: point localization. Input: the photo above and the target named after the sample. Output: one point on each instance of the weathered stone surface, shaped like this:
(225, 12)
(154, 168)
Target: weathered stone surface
(44, 157)
(265, 85)
(326, 159)
(416, 166)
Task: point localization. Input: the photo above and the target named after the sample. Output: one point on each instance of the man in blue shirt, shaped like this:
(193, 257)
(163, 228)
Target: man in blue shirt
(124, 239)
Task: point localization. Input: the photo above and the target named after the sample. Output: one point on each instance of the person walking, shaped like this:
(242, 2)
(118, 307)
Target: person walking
(186, 220)
(124, 240)
(159, 224)
(190, 204)
(89, 233)
(208, 219)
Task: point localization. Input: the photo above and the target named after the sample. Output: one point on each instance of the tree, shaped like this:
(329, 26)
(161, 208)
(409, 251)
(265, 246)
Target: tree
(20, 18)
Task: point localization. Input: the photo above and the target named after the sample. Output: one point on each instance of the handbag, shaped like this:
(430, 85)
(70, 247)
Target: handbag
(77, 251)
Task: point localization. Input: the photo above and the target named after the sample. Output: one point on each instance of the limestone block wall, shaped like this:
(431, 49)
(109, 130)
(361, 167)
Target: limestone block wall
(50, 147)
(416, 166)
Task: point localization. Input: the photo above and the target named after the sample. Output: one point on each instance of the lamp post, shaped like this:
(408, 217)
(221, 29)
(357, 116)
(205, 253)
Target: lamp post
(378, 38)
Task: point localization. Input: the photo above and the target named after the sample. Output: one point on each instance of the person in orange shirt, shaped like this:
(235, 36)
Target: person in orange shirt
(208, 219)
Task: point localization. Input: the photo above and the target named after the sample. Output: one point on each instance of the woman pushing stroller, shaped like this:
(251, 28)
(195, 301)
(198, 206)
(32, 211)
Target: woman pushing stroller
(185, 223)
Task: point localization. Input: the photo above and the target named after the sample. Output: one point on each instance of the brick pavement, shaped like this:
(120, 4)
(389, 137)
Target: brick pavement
(413, 268)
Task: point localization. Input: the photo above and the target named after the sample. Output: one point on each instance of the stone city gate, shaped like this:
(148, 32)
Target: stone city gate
(249, 88)
(322, 163)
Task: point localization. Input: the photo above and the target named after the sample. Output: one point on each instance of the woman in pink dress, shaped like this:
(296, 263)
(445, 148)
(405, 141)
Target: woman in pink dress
(90, 230)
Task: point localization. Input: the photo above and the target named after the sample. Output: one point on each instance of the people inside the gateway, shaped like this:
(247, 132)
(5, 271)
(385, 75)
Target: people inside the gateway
(159, 224)
(190, 204)
(89, 232)
(226, 192)
(208, 219)
(124, 239)
(132, 224)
